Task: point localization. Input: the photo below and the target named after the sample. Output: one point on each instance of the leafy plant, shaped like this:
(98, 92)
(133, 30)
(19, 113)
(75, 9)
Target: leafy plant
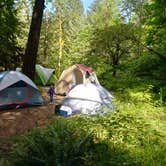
(60, 143)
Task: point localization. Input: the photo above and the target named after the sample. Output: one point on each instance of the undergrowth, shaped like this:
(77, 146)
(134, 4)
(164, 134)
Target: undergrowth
(133, 135)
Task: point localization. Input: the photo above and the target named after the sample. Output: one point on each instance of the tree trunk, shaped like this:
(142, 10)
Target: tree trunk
(33, 40)
(115, 62)
(60, 43)
(45, 42)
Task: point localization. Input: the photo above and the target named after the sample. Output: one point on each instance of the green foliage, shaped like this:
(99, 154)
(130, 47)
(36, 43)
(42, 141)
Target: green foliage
(24, 12)
(10, 54)
(150, 66)
(68, 14)
(132, 135)
(156, 25)
(147, 65)
(61, 143)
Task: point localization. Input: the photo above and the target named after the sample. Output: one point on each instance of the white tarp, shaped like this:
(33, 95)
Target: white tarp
(87, 99)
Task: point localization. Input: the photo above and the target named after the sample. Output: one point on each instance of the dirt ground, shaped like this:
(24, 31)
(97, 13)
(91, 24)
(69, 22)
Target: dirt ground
(19, 121)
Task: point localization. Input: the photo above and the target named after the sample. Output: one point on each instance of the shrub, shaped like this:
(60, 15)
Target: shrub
(60, 143)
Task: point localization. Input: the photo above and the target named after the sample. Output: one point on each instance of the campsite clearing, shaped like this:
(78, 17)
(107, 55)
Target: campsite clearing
(18, 121)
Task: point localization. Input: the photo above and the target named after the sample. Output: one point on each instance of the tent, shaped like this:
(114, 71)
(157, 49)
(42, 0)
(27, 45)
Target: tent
(87, 98)
(75, 75)
(17, 90)
(44, 76)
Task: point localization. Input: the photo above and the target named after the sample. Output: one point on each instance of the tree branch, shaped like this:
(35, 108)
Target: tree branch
(151, 49)
(1, 6)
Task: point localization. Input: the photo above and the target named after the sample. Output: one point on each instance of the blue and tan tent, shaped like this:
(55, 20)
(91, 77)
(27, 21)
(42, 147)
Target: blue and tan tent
(16, 89)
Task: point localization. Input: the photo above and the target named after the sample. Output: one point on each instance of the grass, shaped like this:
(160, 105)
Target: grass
(134, 134)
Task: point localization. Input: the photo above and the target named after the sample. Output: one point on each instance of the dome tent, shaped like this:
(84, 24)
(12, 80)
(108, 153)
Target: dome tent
(86, 98)
(16, 89)
(72, 76)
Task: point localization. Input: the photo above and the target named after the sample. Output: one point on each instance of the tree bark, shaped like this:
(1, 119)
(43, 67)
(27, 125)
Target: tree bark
(45, 42)
(115, 62)
(60, 43)
(33, 40)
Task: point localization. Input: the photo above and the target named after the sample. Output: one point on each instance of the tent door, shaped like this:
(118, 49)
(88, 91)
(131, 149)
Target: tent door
(78, 76)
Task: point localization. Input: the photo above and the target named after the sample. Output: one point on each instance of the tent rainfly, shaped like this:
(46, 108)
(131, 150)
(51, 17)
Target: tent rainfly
(16, 89)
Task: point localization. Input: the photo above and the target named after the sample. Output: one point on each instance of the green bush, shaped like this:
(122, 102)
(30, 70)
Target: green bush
(60, 143)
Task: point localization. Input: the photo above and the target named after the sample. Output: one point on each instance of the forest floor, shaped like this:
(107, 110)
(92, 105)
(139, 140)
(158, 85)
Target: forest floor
(17, 121)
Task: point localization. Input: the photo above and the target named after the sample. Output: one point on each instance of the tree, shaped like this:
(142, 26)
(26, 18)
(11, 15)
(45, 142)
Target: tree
(11, 53)
(112, 43)
(150, 36)
(106, 10)
(60, 29)
(24, 13)
(110, 39)
(68, 15)
(156, 27)
(33, 40)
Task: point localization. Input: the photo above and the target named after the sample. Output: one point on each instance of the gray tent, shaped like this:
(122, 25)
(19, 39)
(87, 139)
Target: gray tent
(16, 89)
